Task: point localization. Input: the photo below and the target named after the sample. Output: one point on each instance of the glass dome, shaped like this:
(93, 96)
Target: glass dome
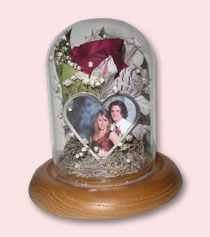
(101, 81)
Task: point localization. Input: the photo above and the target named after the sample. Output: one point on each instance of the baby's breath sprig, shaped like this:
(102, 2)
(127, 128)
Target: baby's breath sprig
(61, 51)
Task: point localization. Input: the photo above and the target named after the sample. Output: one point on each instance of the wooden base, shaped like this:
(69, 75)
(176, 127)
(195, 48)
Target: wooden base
(106, 198)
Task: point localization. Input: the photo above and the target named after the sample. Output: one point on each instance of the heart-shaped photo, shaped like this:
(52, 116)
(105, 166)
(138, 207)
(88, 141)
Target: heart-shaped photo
(101, 125)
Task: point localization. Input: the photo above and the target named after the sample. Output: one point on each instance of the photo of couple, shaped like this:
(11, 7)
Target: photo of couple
(110, 125)
(100, 125)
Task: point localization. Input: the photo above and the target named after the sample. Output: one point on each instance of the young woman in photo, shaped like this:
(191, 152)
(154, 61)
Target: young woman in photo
(103, 138)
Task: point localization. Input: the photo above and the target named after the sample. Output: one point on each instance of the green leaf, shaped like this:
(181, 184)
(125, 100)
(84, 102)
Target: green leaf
(67, 72)
(91, 91)
(102, 32)
(83, 88)
(73, 89)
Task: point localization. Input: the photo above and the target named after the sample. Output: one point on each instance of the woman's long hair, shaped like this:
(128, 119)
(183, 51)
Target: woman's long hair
(106, 114)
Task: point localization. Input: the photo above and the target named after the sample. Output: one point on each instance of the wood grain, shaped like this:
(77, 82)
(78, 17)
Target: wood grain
(105, 198)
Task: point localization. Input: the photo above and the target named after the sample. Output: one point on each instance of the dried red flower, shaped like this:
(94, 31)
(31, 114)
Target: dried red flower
(97, 51)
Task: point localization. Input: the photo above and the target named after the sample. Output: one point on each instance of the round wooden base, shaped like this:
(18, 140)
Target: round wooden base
(106, 198)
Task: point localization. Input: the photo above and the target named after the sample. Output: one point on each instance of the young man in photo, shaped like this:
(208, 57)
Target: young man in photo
(119, 113)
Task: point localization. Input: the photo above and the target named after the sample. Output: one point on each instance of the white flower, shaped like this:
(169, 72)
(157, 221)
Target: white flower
(71, 134)
(102, 80)
(85, 81)
(67, 82)
(92, 82)
(94, 78)
(138, 71)
(145, 80)
(97, 84)
(81, 154)
(90, 64)
(64, 125)
(124, 148)
(84, 149)
(77, 156)
(68, 136)
(105, 36)
(129, 138)
(81, 75)
(71, 64)
(95, 148)
(50, 57)
(78, 68)
(120, 144)
(67, 44)
(69, 109)
(114, 89)
(59, 54)
(128, 160)
(73, 78)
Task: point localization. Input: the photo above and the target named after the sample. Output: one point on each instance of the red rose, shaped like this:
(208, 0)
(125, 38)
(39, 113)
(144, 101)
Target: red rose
(97, 51)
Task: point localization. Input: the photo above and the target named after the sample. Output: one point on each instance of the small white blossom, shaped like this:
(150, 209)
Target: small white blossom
(102, 80)
(85, 81)
(90, 64)
(77, 156)
(71, 64)
(75, 66)
(73, 78)
(67, 44)
(78, 68)
(51, 57)
(81, 154)
(120, 144)
(145, 80)
(92, 82)
(84, 149)
(138, 71)
(81, 75)
(69, 109)
(97, 84)
(131, 41)
(59, 54)
(76, 166)
(67, 82)
(94, 78)
(71, 134)
(114, 89)
(64, 125)
(129, 138)
(124, 148)
(128, 160)
(95, 148)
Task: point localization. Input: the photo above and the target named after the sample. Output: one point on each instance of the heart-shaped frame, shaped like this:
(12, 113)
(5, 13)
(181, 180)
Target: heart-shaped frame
(80, 112)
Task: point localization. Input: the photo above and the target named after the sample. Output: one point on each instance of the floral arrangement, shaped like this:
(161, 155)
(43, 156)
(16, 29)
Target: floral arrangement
(103, 66)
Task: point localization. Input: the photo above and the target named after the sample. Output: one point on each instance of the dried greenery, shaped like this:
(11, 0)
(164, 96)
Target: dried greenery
(127, 159)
